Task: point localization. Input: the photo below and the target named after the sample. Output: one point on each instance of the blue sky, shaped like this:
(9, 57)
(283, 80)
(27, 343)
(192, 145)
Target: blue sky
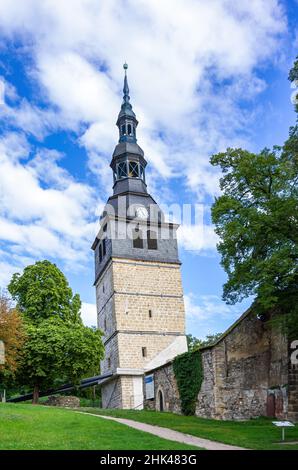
(203, 76)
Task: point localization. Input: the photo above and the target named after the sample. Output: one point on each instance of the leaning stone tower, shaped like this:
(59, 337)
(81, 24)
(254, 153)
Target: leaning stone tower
(139, 293)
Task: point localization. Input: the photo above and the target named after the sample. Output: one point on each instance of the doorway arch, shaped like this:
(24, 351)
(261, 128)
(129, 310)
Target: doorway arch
(160, 401)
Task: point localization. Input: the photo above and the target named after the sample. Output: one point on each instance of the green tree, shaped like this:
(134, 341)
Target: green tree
(56, 349)
(256, 220)
(195, 343)
(58, 345)
(43, 291)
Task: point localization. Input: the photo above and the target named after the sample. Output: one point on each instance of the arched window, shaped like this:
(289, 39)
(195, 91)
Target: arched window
(129, 129)
(151, 240)
(123, 129)
(137, 239)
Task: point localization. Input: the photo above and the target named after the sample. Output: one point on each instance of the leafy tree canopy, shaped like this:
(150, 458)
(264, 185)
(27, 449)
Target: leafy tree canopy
(59, 350)
(58, 346)
(256, 218)
(43, 291)
(195, 343)
(12, 333)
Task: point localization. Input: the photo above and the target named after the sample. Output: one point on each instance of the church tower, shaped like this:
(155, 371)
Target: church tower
(139, 293)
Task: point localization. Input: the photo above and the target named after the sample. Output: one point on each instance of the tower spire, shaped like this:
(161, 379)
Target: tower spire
(127, 121)
(128, 162)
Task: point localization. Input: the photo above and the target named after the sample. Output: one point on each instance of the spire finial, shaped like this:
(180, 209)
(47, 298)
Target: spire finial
(126, 96)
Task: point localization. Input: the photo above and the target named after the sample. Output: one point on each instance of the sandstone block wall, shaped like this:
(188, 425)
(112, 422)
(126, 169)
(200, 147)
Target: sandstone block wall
(141, 312)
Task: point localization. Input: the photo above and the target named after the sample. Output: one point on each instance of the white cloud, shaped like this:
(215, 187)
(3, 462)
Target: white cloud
(190, 64)
(197, 238)
(208, 314)
(207, 307)
(176, 50)
(88, 314)
(44, 212)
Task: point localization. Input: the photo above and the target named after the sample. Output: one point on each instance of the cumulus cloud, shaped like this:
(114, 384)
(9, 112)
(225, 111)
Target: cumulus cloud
(43, 211)
(199, 238)
(88, 314)
(207, 307)
(190, 64)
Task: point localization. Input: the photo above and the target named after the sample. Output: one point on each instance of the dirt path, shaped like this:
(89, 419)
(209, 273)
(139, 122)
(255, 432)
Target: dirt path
(170, 434)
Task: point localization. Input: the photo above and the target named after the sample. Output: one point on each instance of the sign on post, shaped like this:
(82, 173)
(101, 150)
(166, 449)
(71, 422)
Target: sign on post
(283, 425)
(149, 386)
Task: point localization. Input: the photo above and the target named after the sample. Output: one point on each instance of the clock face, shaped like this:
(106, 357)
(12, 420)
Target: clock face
(142, 212)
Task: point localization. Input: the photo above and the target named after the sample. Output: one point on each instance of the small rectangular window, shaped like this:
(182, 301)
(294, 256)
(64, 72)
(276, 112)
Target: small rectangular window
(109, 362)
(151, 240)
(150, 313)
(103, 247)
(137, 239)
(144, 352)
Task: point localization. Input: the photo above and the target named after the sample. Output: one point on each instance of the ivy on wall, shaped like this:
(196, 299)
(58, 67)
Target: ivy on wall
(188, 372)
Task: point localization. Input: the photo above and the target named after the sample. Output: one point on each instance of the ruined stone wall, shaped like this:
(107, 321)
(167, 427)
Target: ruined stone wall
(246, 374)
(206, 405)
(164, 381)
(245, 367)
(293, 389)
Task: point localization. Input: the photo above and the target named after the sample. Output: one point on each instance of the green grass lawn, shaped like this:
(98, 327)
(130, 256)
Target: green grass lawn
(40, 427)
(254, 434)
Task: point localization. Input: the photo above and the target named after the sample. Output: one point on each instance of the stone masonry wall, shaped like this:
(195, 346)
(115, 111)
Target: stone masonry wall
(245, 375)
(241, 371)
(164, 381)
(141, 312)
(293, 389)
(112, 394)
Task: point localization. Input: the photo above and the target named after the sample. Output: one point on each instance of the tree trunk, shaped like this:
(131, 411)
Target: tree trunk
(35, 394)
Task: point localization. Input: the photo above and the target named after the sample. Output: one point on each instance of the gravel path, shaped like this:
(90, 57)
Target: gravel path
(170, 434)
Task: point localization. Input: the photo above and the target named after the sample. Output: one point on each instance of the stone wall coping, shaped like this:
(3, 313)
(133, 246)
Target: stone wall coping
(149, 371)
